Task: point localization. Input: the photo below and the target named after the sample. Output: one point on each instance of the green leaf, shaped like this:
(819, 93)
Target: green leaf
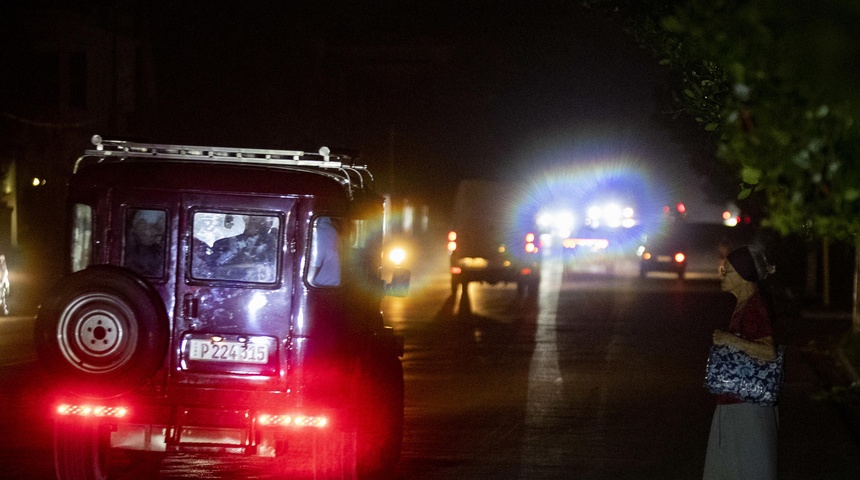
(750, 175)
(712, 126)
(744, 193)
(782, 138)
(672, 24)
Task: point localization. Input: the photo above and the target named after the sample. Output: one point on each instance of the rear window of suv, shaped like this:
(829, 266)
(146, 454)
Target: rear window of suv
(235, 247)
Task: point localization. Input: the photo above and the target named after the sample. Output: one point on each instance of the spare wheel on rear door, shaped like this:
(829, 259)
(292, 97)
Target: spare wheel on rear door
(102, 331)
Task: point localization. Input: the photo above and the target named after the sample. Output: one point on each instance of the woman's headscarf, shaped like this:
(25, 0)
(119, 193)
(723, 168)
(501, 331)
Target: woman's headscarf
(750, 263)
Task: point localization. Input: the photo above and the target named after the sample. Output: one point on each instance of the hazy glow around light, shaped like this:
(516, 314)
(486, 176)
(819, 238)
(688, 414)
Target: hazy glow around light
(586, 179)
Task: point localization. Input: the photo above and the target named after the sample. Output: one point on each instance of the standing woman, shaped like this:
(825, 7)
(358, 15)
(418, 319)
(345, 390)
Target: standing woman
(743, 440)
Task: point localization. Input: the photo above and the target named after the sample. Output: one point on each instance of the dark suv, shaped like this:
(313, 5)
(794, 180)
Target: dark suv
(487, 242)
(223, 300)
(666, 253)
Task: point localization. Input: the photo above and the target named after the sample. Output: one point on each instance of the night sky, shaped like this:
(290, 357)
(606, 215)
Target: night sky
(428, 92)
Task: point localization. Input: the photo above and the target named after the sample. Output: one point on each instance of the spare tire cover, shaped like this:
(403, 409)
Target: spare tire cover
(102, 331)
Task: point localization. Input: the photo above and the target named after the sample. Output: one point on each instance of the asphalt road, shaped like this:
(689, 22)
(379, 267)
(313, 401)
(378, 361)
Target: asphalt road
(595, 377)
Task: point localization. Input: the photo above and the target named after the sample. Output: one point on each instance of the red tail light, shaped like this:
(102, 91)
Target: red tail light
(679, 257)
(92, 411)
(295, 421)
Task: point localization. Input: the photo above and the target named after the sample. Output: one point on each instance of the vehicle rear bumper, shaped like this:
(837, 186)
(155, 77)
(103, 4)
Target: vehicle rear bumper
(155, 425)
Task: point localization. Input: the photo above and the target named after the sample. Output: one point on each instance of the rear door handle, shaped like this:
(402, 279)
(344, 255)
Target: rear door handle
(191, 305)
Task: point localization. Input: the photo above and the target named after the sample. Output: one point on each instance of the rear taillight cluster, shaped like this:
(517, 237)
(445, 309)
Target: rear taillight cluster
(264, 420)
(91, 411)
(531, 244)
(678, 257)
(296, 421)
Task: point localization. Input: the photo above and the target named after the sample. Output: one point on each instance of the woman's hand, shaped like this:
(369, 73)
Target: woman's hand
(722, 337)
(761, 348)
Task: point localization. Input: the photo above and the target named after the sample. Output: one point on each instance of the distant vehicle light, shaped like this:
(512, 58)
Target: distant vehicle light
(544, 219)
(593, 243)
(557, 222)
(611, 215)
(681, 208)
(646, 255)
(526, 271)
(456, 270)
(452, 246)
(680, 257)
(397, 255)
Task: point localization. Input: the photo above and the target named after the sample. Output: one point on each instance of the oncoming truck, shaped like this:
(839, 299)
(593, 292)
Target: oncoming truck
(223, 300)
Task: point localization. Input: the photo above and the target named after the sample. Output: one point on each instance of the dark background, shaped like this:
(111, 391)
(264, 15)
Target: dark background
(429, 93)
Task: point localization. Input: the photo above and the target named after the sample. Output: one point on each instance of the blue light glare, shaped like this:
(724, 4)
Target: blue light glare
(612, 197)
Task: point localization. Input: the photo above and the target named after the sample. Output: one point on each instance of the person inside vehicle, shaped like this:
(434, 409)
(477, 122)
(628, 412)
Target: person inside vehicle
(254, 246)
(325, 254)
(144, 248)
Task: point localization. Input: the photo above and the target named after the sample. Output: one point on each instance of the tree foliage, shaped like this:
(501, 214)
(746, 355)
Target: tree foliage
(775, 82)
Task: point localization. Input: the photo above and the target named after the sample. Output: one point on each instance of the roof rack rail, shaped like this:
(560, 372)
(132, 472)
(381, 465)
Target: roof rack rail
(121, 150)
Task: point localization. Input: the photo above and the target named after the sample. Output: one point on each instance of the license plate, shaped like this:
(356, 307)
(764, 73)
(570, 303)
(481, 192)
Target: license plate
(664, 258)
(225, 351)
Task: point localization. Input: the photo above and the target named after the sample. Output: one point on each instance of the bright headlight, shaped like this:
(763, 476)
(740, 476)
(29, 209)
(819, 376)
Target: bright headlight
(397, 255)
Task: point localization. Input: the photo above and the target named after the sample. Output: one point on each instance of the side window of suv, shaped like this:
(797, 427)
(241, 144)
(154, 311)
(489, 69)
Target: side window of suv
(237, 247)
(82, 237)
(144, 248)
(326, 248)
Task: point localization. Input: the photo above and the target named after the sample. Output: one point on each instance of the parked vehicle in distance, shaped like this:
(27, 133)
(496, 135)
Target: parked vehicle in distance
(223, 300)
(663, 253)
(487, 242)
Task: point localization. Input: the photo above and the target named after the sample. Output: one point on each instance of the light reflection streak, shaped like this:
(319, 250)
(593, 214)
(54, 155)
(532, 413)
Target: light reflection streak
(545, 387)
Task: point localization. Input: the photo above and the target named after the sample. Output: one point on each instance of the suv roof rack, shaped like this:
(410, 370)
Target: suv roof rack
(324, 161)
